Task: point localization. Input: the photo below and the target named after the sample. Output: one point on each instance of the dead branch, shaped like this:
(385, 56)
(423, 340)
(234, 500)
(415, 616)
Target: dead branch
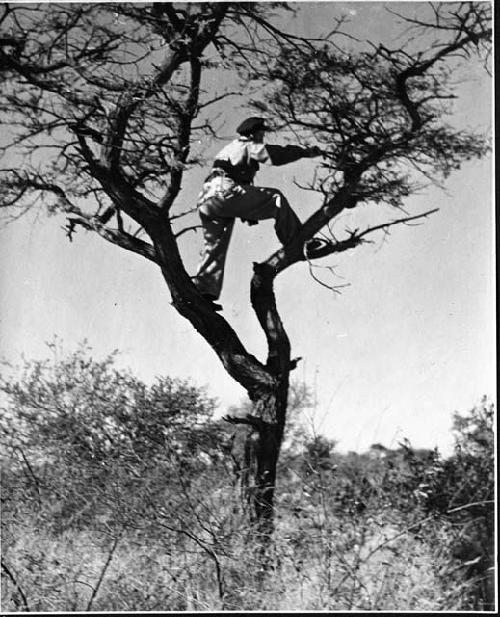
(404, 220)
(191, 228)
(356, 238)
(11, 576)
(335, 288)
(470, 505)
(119, 237)
(249, 420)
(181, 214)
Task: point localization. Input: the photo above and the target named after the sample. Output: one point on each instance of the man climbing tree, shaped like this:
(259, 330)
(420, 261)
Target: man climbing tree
(102, 104)
(229, 193)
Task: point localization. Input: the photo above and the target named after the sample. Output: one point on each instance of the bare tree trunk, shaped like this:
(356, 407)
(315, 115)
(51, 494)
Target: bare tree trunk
(269, 410)
(261, 453)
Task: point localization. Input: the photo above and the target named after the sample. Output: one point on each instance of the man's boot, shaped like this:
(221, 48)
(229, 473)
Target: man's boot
(315, 246)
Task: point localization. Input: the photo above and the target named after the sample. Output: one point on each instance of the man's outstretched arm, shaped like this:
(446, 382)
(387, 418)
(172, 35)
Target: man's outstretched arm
(281, 155)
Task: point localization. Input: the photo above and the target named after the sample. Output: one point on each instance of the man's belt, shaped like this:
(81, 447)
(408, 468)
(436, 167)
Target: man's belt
(225, 169)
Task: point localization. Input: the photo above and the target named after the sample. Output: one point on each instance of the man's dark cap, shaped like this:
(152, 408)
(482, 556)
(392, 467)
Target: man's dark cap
(252, 125)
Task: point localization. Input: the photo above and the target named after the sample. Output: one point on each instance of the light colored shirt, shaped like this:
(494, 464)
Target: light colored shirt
(242, 150)
(241, 157)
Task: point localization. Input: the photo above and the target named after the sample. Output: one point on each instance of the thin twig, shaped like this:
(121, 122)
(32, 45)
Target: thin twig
(183, 231)
(469, 505)
(397, 221)
(103, 572)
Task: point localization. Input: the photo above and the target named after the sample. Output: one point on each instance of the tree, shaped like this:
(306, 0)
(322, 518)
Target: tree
(102, 440)
(101, 104)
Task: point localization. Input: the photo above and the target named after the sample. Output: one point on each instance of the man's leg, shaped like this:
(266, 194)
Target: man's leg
(257, 203)
(217, 234)
(287, 223)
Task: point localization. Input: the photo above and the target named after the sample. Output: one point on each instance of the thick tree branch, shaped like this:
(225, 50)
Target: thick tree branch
(264, 304)
(184, 132)
(294, 252)
(121, 238)
(262, 285)
(165, 8)
(240, 364)
(255, 422)
(420, 68)
(89, 222)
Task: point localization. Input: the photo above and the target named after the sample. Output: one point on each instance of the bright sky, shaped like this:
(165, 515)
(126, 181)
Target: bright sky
(409, 341)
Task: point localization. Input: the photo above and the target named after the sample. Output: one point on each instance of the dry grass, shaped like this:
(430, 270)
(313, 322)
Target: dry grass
(345, 566)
